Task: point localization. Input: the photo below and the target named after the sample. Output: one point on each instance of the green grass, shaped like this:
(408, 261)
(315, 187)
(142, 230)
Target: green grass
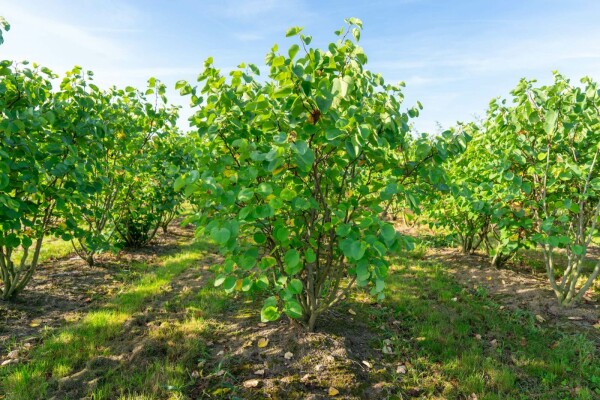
(52, 248)
(454, 342)
(69, 349)
(440, 323)
(533, 259)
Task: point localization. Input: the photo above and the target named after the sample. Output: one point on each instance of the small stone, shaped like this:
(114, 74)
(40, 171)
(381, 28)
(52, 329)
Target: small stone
(494, 343)
(251, 383)
(260, 372)
(401, 369)
(367, 364)
(289, 355)
(477, 336)
(539, 318)
(387, 346)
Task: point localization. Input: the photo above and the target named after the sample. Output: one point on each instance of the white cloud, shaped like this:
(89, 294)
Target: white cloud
(59, 45)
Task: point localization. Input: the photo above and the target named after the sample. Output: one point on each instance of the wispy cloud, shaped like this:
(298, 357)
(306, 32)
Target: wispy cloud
(453, 56)
(35, 33)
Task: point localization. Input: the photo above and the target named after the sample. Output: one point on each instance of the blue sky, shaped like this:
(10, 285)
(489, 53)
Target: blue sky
(453, 55)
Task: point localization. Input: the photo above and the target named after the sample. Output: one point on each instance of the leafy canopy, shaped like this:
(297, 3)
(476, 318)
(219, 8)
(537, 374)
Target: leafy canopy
(297, 169)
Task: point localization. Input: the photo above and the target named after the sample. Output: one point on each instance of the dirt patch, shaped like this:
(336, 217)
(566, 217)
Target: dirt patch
(64, 290)
(135, 347)
(252, 360)
(517, 290)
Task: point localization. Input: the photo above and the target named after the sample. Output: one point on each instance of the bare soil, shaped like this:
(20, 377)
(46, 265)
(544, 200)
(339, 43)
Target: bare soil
(516, 286)
(63, 290)
(134, 349)
(344, 352)
(294, 363)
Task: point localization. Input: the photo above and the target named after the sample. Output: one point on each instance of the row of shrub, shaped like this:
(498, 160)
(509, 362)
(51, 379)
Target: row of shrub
(292, 175)
(91, 166)
(530, 178)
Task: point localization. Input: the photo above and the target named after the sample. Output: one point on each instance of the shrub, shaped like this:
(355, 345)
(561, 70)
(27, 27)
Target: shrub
(297, 170)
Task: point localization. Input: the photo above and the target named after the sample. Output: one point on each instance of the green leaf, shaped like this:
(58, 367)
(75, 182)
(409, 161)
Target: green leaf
(550, 121)
(293, 51)
(229, 284)
(288, 194)
(292, 262)
(247, 262)
(265, 189)
(179, 183)
(343, 230)
(281, 92)
(220, 235)
(260, 238)
(310, 256)
(293, 31)
(362, 272)
(269, 311)
(219, 280)
(295, 286)
(245, 194)
(578, 250)
(292, 309)
(357, 249)
(26, 242)
(388, 232)
(281, 233)
(355, 21)
(333, 133)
